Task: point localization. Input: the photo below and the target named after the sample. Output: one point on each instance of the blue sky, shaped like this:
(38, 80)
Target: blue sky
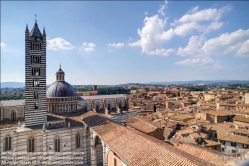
(121, 42)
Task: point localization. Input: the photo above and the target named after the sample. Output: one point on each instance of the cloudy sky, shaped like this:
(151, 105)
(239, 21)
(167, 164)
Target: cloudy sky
(122, 42)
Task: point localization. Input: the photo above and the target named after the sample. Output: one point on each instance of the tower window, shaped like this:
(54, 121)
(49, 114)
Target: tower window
(31, 145)
(7, 143)
(57, 145)
(36, 105)
(36, 83)
(35, 95)
(35, 71)
(35, 59)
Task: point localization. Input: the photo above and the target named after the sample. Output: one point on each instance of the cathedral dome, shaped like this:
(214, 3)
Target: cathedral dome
(61, 89)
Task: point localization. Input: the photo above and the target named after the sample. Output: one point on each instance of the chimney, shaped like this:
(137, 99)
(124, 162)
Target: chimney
(95, 88)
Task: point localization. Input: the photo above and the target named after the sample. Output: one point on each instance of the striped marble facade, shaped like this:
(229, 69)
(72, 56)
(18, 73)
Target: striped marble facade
(35, 77)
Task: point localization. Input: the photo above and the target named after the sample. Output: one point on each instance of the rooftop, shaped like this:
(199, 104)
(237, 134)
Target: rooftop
(137, 148)
(140, 124)
(219, 113)
(8, 103)
(103, 97)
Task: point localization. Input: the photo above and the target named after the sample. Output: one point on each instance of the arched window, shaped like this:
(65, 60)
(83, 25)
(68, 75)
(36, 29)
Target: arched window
(7, 143)
(120, 105)
(97, 107)
(77, 140)
(97, 141)
(57, 145)
(13, 116)
(85, 108)
(31, 144)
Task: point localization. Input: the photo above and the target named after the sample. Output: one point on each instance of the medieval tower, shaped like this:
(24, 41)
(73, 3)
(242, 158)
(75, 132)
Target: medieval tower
(35, 77)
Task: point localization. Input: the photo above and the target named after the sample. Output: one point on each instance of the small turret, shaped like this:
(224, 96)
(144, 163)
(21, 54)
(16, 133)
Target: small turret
(44, 32)
(26, 32)
(60, 75)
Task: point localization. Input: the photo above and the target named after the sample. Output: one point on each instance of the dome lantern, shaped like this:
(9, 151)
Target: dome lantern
(60, 75)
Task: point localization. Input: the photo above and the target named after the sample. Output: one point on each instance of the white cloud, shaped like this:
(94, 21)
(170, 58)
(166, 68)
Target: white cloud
(227, 43)
(88, 47)
(192, 48)
(164, 52)
(204, 15)
(193, 10)
(146, 13)
(203, 21)
(162, 8)
(116, 45)
(152, 35)
(59, 44)
(187, 28)
(135, 44)
(2, 45)
(215, 25)
(204, 62)
(244, 50)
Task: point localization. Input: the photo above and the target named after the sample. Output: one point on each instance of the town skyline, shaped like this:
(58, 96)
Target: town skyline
(117, 42)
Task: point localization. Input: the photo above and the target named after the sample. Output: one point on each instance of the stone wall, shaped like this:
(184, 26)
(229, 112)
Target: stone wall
(6, 112)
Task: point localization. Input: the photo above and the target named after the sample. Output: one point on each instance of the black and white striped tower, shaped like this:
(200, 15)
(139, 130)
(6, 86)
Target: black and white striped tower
(35, 77)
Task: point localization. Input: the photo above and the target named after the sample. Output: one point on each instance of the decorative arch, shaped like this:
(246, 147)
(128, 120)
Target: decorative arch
(57, 143)
(88, 145)
(13, 115)
(77, 140)
(97, 106)
(98, 144)
(7, 142)
(31, 144)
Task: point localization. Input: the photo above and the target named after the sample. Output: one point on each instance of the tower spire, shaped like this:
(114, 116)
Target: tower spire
(35, 19)
(27, 29)
(60, 65)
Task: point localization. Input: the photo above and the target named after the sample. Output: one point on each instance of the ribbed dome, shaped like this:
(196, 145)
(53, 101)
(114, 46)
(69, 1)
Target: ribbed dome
(61, 89)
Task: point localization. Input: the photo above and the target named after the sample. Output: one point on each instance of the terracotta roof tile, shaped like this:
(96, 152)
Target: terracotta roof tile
(140, 124)
(137, 148)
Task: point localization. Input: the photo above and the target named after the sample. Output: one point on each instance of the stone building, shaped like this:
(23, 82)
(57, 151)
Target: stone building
(12, 110)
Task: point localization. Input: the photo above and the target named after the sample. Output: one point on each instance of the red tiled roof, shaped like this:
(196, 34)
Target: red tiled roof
(140, 124)
(202, 153)
(136, 148)
(235, 138)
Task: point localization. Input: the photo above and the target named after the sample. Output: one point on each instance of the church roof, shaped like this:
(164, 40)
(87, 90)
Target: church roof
(61, 89)
(136, 148)
(6, 103)
(101, 97)
(35, 32)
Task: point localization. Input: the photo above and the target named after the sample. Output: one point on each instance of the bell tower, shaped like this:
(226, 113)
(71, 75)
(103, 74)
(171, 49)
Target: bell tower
(35, 77)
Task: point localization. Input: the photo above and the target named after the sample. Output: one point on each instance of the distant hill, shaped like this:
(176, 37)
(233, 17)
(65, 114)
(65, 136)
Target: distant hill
(12, 84)
(201, 82)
